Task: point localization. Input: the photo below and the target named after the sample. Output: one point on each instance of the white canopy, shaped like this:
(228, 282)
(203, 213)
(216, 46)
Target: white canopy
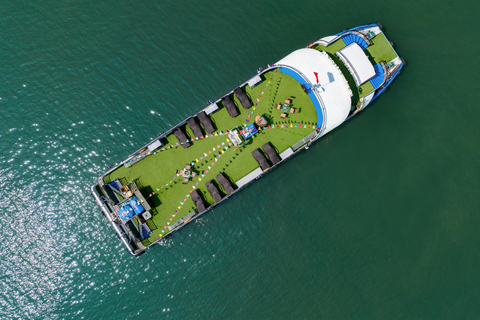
(357, 63)
(332, 87)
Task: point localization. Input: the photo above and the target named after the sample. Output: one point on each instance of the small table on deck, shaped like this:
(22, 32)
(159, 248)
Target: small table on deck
(186, 173)
(285, 107)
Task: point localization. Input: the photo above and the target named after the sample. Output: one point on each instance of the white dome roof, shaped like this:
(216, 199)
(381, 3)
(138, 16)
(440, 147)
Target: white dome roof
(332, 89)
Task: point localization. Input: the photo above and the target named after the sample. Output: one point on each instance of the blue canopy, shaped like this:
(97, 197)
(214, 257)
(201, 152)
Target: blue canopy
(136, 205)
(126, 212)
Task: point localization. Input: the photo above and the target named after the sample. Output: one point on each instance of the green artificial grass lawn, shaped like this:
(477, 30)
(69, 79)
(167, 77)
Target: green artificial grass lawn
(366, 88)
(333, 47)
(157, 172)
(381, 50)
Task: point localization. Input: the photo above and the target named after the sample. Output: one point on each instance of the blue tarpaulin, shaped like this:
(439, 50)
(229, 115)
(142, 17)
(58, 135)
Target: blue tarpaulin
(116, 184)
(136, 205)
(126, 212)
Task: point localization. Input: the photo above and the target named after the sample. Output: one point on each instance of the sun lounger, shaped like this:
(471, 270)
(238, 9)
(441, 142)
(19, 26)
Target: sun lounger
(182, 138)
(225, 183)
(243, 98)
(200, 206)
(271, 153)
(230, 106)
(213, 191)
(262, 161)
(207, 123)
(197, 132)
(195, 196)
(198, 201)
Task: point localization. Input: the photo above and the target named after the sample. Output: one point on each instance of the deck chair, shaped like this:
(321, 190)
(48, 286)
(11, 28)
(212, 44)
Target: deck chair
(207, 123)
(198, 201)
(213, 191)
(262, 161)
(197, 132)
(230, 106)
(271, 153)
(182, 138)
(225, 183)
(242, 97)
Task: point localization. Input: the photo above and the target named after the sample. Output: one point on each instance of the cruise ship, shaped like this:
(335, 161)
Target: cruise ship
(234, 140)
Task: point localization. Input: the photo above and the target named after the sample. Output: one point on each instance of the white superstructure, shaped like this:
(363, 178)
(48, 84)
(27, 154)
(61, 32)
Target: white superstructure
(357, 63)
(331, 87)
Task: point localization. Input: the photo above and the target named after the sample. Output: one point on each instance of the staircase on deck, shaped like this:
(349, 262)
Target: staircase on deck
(352, 37)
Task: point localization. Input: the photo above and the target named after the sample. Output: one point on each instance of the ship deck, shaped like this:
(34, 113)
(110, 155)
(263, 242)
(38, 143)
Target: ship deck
(325, 99)
(156, 173)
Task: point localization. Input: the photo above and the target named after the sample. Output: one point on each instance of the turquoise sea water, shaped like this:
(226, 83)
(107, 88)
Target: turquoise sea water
(378, 220)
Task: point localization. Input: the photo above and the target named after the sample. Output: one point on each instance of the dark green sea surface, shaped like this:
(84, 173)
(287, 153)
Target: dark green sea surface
(378, 220)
